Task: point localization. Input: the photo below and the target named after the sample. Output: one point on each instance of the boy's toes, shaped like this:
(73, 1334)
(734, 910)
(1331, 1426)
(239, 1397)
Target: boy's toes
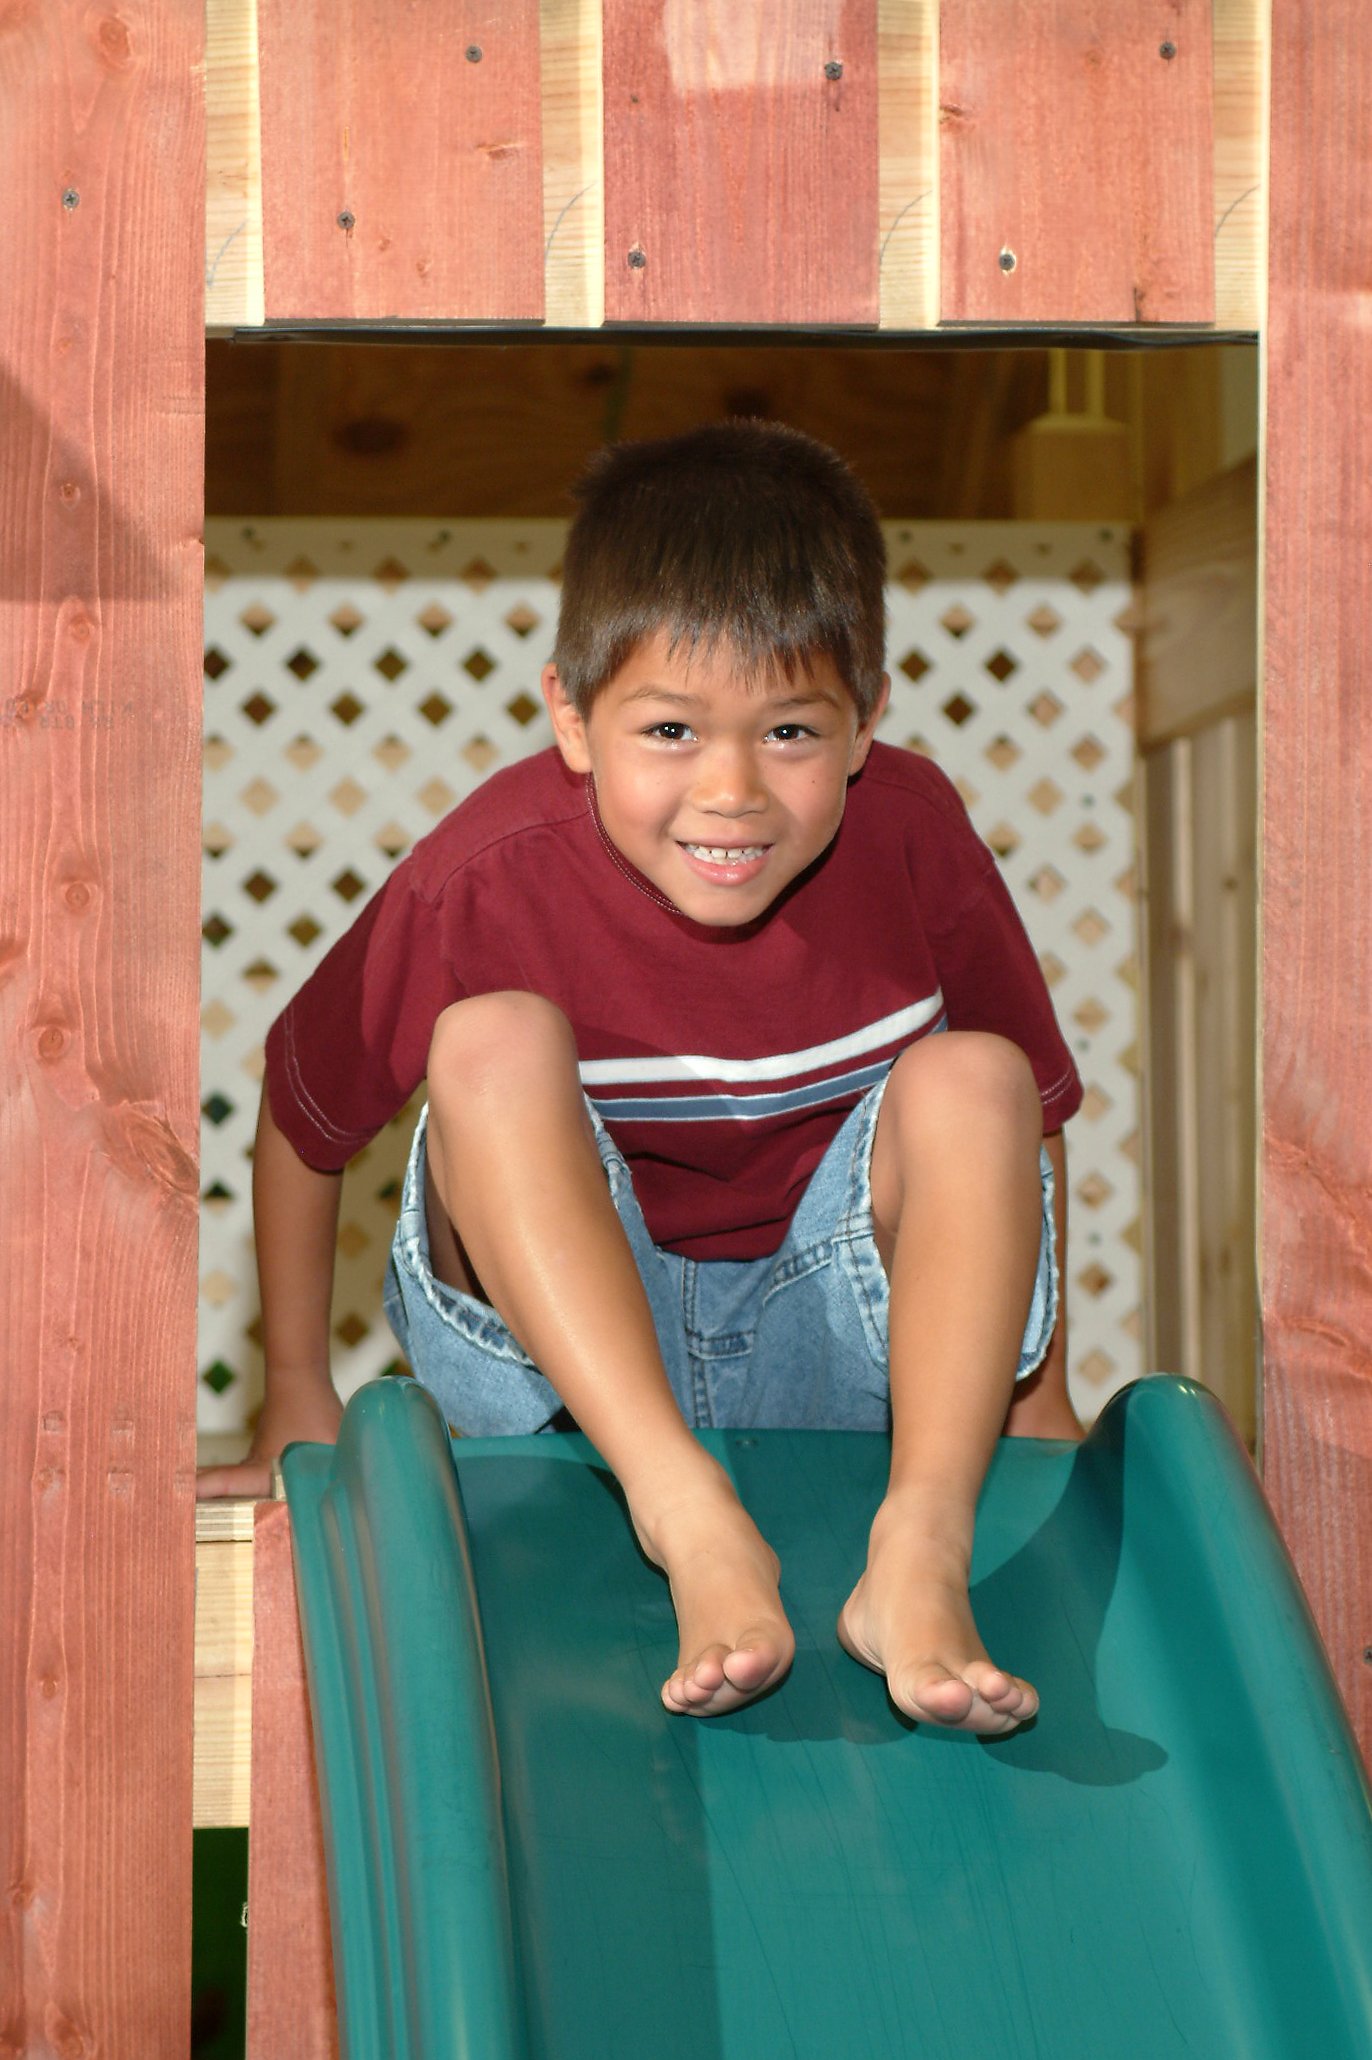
(930, 1693)
(1002, 1692)
(981, 1698)
(724, 1677)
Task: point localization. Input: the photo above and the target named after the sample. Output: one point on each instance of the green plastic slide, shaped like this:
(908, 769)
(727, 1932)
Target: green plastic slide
(528, 1857)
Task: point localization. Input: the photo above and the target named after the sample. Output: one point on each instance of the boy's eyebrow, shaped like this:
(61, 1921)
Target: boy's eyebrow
(649, 692)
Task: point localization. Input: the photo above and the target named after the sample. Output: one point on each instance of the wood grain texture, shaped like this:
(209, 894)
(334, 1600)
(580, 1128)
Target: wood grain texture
(291, 2007)
(223, 1671)
(1198, 633)
(401, 178)
(1316, 940)
(101, 582)
(1069, 144)
(740, 180)
(344, 428)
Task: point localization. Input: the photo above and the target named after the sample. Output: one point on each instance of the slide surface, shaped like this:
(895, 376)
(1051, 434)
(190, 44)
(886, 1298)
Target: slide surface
(529, 1857)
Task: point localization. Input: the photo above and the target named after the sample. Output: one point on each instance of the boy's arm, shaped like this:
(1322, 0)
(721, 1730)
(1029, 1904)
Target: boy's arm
(295, 1226)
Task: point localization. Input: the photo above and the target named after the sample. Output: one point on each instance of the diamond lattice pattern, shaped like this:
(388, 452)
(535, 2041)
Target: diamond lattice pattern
(361, 678)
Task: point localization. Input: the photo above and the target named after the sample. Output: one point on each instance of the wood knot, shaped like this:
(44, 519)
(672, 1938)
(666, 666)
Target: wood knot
(141, 1142)
(77, 896)
(52, 1042)
(112, 42)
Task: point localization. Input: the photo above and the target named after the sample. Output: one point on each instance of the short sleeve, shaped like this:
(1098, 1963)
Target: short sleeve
(352, 1046)
(990, 975)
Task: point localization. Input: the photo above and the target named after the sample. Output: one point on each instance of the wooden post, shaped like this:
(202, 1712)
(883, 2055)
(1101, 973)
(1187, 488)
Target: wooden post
(291, 2008)
(1316, 937)
(101, 578)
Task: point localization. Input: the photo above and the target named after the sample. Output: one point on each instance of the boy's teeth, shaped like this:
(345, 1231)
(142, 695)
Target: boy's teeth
(720, 854)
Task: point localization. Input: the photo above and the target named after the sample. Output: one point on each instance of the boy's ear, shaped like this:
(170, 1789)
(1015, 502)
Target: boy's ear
(862, 743)
(569, 727)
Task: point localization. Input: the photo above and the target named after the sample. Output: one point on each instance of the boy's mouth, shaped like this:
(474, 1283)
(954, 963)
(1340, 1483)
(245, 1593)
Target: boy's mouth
(726, 864)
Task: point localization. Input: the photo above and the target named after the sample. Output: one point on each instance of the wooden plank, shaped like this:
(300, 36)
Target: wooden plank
(741, 161)
(573, 199)
(290, 1963)
(223, 1672)
(1316, 941)
(1077, 161)
(1223, 829)
(573, 185)
(401, 160)
(233, 166)
(101, 360)
(907, 174)
(1240, 64)
(1171, 1242)
(1198, 640)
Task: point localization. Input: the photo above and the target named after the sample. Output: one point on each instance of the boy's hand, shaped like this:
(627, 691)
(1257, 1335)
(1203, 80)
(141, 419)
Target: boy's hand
(314, 1415)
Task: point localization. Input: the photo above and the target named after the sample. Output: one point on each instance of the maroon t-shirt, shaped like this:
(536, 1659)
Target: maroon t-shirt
(722, 1060)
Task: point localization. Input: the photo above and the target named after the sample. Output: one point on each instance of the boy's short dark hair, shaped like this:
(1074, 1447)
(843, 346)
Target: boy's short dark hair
(744, 533)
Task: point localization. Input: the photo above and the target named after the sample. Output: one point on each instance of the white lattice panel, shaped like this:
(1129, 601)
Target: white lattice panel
(361, 677)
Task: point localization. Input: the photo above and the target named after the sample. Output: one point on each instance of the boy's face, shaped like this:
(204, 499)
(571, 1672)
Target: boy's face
(719, 789)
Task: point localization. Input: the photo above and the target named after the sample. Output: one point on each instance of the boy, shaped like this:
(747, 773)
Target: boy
(692, 1149)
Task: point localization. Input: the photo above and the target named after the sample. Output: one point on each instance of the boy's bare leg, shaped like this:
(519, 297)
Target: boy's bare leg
(524, 1209)
(957, 1207)
(1042, 1407)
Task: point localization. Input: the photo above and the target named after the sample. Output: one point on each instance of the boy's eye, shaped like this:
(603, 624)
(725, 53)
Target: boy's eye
(788, 732)
(670, 732)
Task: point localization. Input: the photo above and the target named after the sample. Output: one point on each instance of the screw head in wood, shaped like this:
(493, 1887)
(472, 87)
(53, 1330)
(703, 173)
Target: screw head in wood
(347, 220)
(637, 259)
(1007, 261)
(1168, 50)
(833, 69)
(70, 199)
(473, 53)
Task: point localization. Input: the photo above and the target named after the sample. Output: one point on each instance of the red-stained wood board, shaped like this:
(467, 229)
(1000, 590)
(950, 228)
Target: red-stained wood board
(1076, 161)
(1316, 907)
(102, 160)
(402, 160)
(741, 161)
(291, 2009)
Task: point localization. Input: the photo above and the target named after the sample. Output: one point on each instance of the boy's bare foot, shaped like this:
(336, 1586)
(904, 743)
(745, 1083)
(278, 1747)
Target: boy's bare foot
(909, 1618)
(734, 1638)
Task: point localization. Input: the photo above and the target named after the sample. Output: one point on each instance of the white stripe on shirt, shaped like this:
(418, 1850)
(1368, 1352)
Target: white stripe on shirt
(780, 1066)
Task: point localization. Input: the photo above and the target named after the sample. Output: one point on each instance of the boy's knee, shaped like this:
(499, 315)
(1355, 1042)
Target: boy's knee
(492, 1039)
(943, 1079)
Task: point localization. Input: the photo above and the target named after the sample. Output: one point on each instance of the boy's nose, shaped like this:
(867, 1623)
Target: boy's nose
(729, 783)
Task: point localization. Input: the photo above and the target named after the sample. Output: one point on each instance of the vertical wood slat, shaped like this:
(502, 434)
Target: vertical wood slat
(101, 584)
(1069, 142)
(291, 2007)
(1200, 820)
(1316, 941)
(377, 114)
(1224, 804)
(740, 179)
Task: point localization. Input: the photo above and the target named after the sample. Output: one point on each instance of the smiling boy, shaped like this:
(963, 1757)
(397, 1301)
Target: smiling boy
(739, 1065)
